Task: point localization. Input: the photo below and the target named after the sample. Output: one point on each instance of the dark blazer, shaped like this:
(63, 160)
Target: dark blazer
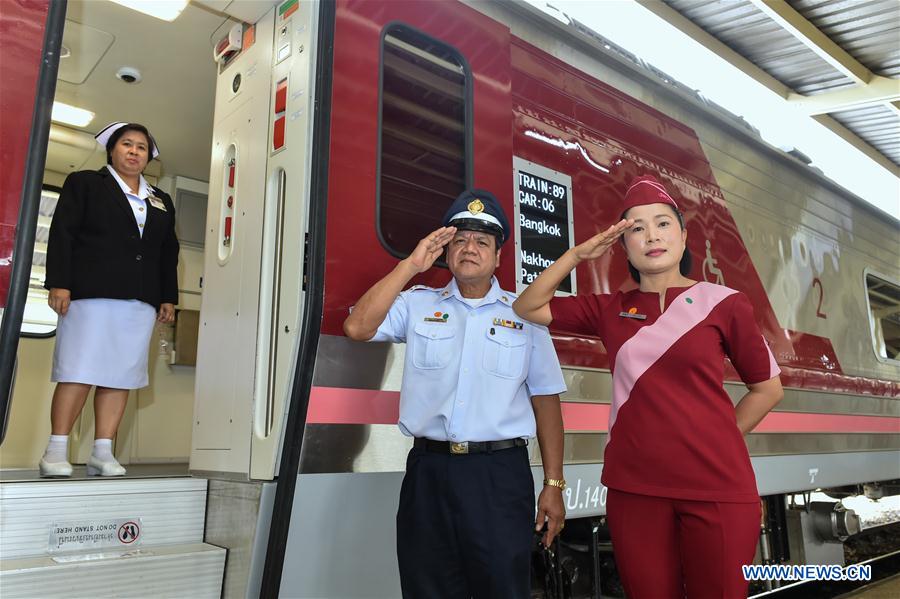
(96, 251)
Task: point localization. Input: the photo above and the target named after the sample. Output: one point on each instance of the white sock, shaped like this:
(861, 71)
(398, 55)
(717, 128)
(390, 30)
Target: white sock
(103, 450)
(57, 449)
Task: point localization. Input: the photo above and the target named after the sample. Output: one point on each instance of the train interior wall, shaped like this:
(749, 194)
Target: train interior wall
(156, 427)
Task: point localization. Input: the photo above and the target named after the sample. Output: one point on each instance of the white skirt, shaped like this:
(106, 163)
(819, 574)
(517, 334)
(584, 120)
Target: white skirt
(104, 342)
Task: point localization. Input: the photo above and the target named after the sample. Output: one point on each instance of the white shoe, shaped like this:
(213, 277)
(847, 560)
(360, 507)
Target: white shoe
(55, 469)
(97, 467)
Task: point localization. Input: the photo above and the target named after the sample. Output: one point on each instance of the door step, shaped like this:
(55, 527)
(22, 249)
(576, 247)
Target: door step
(192, 570)
(171, 510)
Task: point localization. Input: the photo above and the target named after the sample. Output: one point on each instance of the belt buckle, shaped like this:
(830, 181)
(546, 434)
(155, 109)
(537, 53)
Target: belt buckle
(459, 448)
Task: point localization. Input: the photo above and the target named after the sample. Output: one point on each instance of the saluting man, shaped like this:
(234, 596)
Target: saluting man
(477, 381)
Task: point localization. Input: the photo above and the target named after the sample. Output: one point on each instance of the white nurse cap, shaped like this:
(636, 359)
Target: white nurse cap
(103, 136)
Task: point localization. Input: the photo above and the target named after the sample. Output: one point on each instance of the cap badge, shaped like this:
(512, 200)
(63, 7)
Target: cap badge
(475, 207)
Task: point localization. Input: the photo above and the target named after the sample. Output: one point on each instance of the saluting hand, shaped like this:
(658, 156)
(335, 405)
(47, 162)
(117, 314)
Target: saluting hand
(59, 300)
(599, 243)
(430, 249)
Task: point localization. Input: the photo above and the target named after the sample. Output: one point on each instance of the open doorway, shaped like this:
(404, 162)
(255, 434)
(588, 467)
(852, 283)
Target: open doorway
(122, 65)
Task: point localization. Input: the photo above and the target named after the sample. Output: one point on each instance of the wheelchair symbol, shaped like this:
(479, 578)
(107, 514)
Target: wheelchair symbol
(711, 272)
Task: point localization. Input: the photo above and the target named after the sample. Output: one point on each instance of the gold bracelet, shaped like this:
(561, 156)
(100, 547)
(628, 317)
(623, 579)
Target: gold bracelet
(560, 483)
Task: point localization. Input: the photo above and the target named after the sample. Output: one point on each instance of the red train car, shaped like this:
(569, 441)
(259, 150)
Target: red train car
(341, 131)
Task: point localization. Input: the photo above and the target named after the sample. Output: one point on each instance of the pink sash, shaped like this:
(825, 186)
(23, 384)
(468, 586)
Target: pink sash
(640, 352)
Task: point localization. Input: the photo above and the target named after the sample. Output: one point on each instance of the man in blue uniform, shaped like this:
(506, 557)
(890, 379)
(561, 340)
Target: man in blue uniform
(477, 383)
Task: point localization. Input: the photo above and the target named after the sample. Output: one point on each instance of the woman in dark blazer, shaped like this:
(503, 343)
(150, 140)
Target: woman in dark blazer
(111, 271)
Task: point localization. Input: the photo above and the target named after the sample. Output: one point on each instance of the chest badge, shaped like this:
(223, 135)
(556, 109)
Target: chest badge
(156, 202)
(633, 313)
(438, 317)
(509, 324)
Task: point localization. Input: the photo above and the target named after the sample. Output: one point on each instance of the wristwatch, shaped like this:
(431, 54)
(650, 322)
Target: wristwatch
(560, 483)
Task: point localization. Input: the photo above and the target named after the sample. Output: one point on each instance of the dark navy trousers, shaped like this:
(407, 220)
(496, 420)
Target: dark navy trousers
(465, 525)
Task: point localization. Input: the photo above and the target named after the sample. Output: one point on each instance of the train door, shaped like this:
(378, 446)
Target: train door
(98, 536)
(420, 109)
(253, 286)
(113, 67)
(243, 275)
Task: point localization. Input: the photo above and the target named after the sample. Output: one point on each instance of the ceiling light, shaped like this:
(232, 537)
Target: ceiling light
(70, 115)
(167, 10)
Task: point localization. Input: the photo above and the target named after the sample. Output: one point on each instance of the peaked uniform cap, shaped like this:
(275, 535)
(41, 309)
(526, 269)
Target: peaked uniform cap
(646, 190)
(477, 210)
(103, 136)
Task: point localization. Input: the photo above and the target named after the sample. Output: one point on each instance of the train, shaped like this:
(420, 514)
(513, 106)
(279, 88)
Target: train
(341, 131)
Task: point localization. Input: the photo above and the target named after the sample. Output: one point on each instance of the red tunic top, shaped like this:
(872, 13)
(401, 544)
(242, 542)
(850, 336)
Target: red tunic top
(672, 427)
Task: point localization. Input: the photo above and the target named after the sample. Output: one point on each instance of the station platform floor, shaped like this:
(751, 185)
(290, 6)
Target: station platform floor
(888, 588)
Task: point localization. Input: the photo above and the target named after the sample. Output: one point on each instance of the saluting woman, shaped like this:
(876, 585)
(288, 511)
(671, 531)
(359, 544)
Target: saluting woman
(682, 505)
(111, 271)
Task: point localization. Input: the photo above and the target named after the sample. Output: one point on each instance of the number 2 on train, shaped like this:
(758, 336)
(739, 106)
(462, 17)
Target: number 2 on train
(817, 282)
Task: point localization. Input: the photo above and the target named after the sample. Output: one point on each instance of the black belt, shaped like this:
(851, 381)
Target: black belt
(467, 446)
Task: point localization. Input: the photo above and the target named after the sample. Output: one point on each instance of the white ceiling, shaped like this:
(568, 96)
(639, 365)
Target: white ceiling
(174, 99)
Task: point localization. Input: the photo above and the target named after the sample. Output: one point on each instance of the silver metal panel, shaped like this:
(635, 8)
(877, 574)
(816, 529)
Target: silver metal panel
(794, 473)
(346, 448)
(376, 365)
(260, 540)
(878, 125)
(746, 29)
(824, 402)
(321, 551)
(761, 444)
(234, 517)
(380, 366)
(353, 556)
(817, 244)
(193, 570)
(172, 510)
(805, 545)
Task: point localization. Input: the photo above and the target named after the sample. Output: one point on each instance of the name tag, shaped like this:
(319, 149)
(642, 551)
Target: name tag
(633, 315)
(156, 203)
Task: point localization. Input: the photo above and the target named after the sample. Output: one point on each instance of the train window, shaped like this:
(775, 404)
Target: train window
(425, 135)
(884, 316)
(38, 319)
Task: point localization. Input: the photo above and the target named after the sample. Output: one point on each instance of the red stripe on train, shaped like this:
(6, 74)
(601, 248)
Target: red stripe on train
(336, 405)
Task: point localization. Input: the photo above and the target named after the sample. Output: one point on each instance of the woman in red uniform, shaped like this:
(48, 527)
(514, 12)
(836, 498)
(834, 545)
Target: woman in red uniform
(682, 506)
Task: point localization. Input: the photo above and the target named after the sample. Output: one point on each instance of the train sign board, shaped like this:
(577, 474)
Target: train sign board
(544, 227)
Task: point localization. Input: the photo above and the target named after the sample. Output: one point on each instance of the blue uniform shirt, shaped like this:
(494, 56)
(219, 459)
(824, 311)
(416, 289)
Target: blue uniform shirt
(470, 371)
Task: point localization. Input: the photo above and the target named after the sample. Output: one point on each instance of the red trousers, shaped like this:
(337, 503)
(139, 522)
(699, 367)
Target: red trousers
(674, 548)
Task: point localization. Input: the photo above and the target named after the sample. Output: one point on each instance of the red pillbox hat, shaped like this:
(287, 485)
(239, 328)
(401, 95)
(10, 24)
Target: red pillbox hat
(646, 190)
